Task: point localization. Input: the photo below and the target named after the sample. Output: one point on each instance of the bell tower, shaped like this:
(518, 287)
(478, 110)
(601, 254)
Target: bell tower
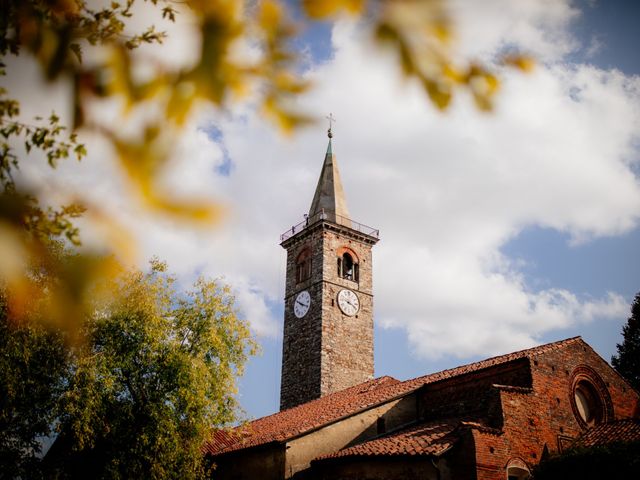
(328, 305)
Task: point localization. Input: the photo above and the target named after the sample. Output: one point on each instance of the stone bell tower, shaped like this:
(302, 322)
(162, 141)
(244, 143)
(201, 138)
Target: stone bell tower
(328, 305)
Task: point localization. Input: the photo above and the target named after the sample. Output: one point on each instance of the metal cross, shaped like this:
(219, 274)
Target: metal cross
(331, 119)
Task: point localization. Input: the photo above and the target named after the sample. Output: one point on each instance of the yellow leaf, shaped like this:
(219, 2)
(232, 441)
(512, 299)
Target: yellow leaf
(483, 102)
(287, 82)
(270, 15)
(202, 211)
(13, 252)
(492, 83)
(521, 62)
(438, 93)
(319, 9)
(119, 75)
(142, 160)
(453, 74)
(180, 102)
(287, 120)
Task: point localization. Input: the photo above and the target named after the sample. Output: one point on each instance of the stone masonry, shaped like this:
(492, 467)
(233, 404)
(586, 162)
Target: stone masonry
(326, 351)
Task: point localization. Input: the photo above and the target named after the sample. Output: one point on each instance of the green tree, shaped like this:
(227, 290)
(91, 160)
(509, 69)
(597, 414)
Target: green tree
(154, 376)
(33, 367)
(627, 361)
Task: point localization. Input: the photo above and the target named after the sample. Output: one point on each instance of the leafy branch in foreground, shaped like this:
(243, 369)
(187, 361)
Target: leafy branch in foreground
(94, 51)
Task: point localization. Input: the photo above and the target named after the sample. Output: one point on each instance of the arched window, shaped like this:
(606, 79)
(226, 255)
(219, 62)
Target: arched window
(303, 266)
(590, 399)
(517, 469)
(517, 473)
(588, 403)
(348, 268)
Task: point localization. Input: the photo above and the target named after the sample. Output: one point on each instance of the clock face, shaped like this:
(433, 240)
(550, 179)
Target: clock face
(302, 304)
(348, 302)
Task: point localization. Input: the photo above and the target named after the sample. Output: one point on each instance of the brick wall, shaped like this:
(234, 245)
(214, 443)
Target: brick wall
(538, 422)
(473, 396)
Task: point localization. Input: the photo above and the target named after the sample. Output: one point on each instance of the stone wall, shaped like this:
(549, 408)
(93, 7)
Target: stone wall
(347, 342)
(302, 337)
(326, 351)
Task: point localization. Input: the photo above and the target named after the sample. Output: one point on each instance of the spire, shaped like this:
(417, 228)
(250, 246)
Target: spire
(329, 197)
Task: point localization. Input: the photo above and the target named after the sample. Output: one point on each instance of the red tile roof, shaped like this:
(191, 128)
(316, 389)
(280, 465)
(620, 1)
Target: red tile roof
(627, 430)
(298, 420)
(432, 438)
(303, 418)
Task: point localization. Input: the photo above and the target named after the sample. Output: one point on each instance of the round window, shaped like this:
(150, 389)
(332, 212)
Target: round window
(590, 400)
(588, 403)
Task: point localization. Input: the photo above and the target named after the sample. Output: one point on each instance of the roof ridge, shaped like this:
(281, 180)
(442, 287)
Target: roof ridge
(373, 384)
(498, 359)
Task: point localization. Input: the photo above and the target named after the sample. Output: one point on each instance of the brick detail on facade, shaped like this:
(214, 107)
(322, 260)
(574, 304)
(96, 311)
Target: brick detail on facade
(472, 422)
(541, 421)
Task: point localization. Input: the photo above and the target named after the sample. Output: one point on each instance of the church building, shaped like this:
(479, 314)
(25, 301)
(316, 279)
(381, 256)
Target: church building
(488, 420)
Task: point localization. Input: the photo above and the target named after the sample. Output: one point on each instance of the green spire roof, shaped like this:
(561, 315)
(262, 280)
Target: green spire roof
(329, 197)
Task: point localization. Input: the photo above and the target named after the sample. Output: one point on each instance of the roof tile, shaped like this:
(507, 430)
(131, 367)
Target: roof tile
(432, 438)
(626, 430)
(303, 418)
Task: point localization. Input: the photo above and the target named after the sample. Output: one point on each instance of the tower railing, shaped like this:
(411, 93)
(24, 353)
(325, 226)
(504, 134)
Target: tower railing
(329, 217)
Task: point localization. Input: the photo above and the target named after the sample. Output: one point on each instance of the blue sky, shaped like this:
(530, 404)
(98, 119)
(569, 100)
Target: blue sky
(547, 257)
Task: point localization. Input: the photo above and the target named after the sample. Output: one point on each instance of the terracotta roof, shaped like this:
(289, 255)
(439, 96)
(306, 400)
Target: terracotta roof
(303, 418)
(295, 421)
(432, 438)
(627, 430)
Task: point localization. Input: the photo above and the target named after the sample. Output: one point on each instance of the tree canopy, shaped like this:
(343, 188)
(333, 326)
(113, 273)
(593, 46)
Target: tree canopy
(33, 366)
(627, 361)
(138, 396)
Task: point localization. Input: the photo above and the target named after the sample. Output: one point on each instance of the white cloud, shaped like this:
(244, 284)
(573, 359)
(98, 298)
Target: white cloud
(536, 26)
(596, 45)
(446, 190)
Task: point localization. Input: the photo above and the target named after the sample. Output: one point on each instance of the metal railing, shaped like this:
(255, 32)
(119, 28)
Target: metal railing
(329, 217)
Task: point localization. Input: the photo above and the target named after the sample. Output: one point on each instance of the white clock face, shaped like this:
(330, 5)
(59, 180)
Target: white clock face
(348, 302)
(302, 304)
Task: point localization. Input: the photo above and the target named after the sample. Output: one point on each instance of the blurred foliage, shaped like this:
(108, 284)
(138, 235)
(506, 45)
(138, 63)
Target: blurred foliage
(138, 397)
(627, 361)
(246, 49)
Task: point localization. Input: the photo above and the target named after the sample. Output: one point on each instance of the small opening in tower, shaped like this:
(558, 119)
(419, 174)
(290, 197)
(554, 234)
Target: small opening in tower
(347, 268)
(303, 266)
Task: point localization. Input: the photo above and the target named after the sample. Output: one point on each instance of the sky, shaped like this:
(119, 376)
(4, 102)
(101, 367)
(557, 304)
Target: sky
(498, 232)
